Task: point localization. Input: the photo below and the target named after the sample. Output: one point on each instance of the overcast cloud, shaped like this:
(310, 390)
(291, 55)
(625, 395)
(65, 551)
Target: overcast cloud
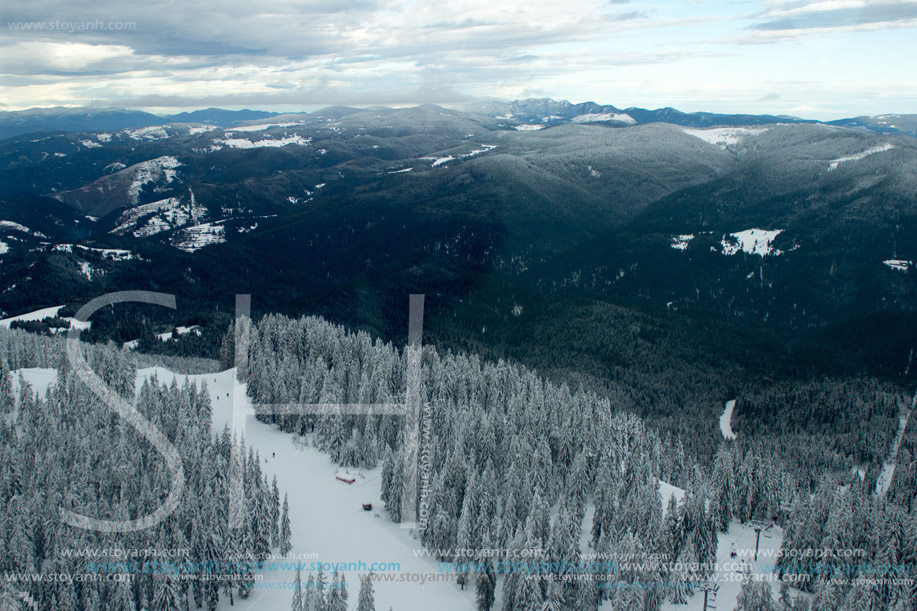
(813, 58)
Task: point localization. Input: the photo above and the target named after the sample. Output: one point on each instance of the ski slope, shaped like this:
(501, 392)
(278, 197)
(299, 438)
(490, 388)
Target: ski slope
(729, 570)
(326, 514)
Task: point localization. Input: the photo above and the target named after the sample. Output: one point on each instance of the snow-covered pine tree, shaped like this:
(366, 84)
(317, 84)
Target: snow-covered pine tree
(366, 601)
(285, 532)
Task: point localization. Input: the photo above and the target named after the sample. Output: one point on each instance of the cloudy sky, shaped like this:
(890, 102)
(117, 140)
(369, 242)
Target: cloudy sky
(812, 58)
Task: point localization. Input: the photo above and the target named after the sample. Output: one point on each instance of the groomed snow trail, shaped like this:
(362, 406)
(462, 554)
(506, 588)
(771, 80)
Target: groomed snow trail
(888, 469)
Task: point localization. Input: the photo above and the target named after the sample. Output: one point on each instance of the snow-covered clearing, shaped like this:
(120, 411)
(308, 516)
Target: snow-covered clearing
(154, 132)
(725, 136)
(528, 128)
(899, 265)
(164, 215)
(43, 314)
(870, 151)
(726, 420)
(260, 127)
(680, 242)
(752, 242)
(199, 236)
(245, 143)
(39, 378)
(594, 117)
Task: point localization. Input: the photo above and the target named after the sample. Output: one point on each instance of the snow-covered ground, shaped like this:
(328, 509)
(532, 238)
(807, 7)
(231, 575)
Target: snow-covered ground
(43, 314)
(327, 516)
(245, 143)
(898, 264)
(888, 468)
(680, 242)
(197, 237)
(38, 378)
(593, 117)
(725, 136)
(752, 242)
(166, 214)
(729, 570)
(260, 127)
(726, 420)
(870, 151)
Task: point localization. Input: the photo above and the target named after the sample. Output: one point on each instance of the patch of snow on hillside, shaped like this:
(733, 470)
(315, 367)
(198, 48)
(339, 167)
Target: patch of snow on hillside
(898, 264)
(153, 132)
(43, 314)
(724, 136)
(103, 137)
(86, 270)
(528, 128)
(199, 236)
(726, 420)
(4, 248)
(109, 254)
(244, 143)
(484, 148)
(159, 170)
(22, 228)
(164, 215)
(90, 144)
(441, 160)
(200, 129)
(114, 167)
(595, 117)
(32, 316)
(871, 151)
(752, 241)
(401, 171)
(680, 242)
(261, 127)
